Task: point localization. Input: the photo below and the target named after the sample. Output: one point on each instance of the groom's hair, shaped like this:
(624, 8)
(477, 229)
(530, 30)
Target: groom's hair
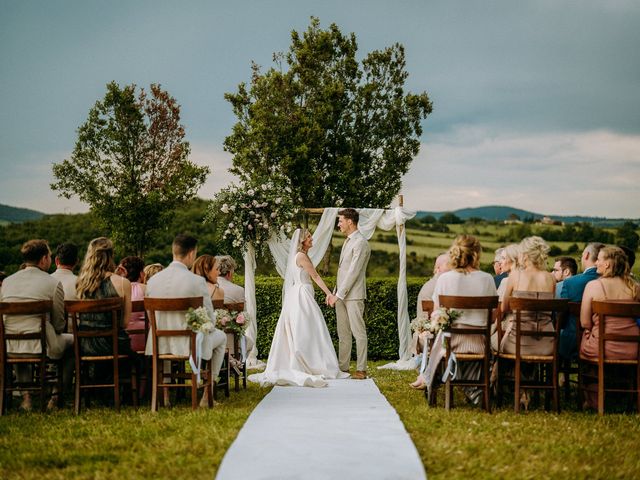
(183, 245)
(351, 214)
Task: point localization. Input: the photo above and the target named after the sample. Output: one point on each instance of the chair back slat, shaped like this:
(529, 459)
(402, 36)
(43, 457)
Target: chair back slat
(218, 303)
(616, 308)
(469, 303)
(26, 308)
(234, 307)
(172, 304)
(427, 306)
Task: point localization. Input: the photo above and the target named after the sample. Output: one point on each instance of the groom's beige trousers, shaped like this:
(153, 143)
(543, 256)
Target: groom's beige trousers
(350, 319)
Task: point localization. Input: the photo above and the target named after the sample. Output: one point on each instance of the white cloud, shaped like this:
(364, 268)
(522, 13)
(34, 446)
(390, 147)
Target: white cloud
(590, 173)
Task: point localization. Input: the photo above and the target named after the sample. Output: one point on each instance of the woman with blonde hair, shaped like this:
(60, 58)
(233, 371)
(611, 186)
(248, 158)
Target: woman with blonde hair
(151, 270)
(97, 281)
(206, 266)
(464, 279)
(508, 263)
(531, 280)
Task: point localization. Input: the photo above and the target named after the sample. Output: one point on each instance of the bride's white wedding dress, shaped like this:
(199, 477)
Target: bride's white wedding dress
(301, 353)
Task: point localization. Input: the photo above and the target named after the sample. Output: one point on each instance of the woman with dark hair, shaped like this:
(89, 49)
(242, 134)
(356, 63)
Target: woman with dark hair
(97, 280)
(133, 269)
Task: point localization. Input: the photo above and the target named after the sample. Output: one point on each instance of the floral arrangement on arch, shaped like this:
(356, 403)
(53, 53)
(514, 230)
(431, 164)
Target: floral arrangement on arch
(231, 320)
(254, 211)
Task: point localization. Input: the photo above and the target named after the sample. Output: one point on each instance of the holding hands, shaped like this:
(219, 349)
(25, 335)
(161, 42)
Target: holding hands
(331, 300)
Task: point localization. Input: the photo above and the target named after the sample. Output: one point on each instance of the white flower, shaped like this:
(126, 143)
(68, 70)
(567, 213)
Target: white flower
(251, 191)
(231, 225)
(225, 208)
(250, 227)
(227, 232)
(251, 212)
(232, 208)
(207, 327)
(266, 226)
(264, 187)
(287, 189)
(278, 201)
(273, 215)
(254, 202)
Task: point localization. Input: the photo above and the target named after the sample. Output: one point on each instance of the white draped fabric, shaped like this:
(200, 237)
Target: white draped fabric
(370, 219)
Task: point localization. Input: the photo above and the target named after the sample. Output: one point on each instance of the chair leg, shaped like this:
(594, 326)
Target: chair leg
(3, 373)
(447, 395)
(244, 380)
(556, 390)
(134, 383)
(154, 385)
(76, 399)
(600, 388)
(43, 385)
(194, 391)
(516, 393)
(116, 384)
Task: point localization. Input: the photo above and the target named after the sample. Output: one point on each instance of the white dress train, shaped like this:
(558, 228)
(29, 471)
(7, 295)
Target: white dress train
(302, 353)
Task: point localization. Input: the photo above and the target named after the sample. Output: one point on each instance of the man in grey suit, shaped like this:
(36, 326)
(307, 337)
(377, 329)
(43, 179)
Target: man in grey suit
(176, 281)
(350, 293)
(33, 283)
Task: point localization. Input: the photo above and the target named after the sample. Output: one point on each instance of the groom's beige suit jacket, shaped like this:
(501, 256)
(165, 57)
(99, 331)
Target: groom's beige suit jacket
(351, 281)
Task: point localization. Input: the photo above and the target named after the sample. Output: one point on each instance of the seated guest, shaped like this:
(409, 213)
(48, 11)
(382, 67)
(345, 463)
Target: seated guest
(226, 267)
(66, 260)
(532, 280)
(573, 288)
(96, 281)
(206, 267)
(631, 260)
(33, 283)
(176, 281)
(132, 269)
(497, 267)
(563, 268)
(508, 263)
(151, 270)
(464, 279)
(426, 293)
(614, 284)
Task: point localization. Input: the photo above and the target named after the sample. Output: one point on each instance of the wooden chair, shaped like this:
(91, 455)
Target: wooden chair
(567, 367)
(427, 306)
(604, 310)
(114, 307)
(489, 304)
(39, 360)
(137, 306)
(239, 368)
(546, 379)
(189, 379)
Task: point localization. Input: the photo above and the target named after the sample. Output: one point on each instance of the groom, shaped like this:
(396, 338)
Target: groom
(351, 293)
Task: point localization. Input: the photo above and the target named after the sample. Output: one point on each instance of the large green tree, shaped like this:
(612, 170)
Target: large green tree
(130, 164)
(343, 131)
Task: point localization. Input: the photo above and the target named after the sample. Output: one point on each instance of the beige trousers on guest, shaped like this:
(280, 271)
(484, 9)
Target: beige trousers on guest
(350, 319)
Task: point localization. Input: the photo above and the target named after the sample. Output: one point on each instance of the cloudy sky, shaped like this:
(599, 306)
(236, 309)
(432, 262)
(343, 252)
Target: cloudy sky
(536, 104)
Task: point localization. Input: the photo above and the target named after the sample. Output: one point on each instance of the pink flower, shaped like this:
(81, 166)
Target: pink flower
(240, 319)
(224, 320)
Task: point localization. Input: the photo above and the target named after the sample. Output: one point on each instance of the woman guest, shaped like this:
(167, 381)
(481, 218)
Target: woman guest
(206, 267)
(508, 263)
(615, 283)
(464, 279)
(151, 270)
(133, 269)
(531, 280)
(97, 281)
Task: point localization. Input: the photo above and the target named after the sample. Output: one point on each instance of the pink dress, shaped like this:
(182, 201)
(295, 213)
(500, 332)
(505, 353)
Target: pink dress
(136, 322)
(617, 326)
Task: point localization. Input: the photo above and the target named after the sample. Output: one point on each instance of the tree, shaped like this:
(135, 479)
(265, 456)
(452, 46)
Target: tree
(627, 235)
(450, 218)
(130, 164)
(341, 131)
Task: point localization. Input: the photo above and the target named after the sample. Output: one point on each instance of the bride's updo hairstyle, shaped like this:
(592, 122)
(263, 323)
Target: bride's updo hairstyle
(304, 234)
(465, 252)
(535, 250)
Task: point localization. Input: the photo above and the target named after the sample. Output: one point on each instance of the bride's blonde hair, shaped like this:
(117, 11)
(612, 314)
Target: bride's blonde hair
(304, 234)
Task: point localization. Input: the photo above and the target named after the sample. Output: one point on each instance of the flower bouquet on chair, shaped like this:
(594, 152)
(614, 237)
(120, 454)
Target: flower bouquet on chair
(235, 323)
(199, 322)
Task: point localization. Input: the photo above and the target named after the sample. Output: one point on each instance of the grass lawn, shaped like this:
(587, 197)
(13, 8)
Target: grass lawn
(180, 443)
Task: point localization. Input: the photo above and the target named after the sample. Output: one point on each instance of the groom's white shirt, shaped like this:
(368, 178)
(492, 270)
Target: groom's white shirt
(351, 281)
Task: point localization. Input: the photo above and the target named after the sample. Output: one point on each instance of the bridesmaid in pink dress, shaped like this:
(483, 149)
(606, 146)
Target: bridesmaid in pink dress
(133, 269)
(614, 283)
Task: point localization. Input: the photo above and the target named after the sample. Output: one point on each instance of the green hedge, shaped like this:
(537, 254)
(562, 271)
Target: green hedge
(380, 313)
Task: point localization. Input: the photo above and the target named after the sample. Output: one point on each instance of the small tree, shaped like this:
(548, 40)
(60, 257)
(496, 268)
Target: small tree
(130, 164)
(342, 132)
(627, 236)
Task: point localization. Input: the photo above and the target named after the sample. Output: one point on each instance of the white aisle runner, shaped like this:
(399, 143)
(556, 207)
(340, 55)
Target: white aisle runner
(347, 430)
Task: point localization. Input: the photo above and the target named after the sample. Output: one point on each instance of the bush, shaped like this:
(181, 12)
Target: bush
(380, 313)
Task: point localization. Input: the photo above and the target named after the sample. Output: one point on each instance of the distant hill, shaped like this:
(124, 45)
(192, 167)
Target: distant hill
(17, 215)
(501, 213)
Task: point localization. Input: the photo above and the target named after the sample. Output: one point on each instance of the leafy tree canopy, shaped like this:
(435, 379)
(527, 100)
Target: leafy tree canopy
(343, 131)
(130, 164)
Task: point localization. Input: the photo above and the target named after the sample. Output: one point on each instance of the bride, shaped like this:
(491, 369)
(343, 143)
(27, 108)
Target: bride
(301, 353)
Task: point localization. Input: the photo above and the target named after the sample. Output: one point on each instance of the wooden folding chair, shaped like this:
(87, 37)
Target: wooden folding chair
(488, 303)
(547, 378)
(427, 306)
(39, 360)
(239, 368)
(569, 367)
(604, 310)
(137, 306)
(115, 308)
(189, 379)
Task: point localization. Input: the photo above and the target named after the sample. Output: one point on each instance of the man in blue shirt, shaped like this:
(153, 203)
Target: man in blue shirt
(573, 288)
